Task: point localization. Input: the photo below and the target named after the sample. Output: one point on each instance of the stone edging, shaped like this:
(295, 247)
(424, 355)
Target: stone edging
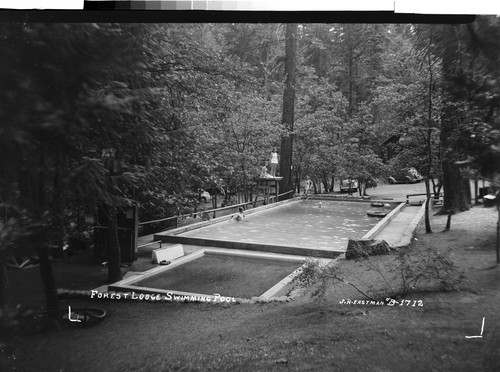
(409, 232)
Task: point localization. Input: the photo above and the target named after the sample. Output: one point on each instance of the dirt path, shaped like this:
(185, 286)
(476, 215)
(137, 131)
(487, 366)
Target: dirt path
(301, 335)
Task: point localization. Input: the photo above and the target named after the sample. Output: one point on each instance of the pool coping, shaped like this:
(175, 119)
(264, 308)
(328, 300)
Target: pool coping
(356, 199)
(410, 229)
(279, 289)
(384, 222)
(256, 247)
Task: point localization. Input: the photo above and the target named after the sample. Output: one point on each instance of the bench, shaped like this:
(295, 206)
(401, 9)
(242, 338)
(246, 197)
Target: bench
(167, 253)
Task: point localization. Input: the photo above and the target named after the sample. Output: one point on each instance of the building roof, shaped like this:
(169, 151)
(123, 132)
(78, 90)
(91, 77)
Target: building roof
(393, 138)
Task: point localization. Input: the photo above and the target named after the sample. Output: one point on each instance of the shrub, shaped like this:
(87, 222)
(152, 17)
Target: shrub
(410, 270)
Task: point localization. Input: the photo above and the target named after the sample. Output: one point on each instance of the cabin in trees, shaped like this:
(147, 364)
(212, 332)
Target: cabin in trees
(389, 147)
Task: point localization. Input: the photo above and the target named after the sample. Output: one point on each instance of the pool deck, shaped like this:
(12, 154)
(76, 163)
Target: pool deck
(400, 230)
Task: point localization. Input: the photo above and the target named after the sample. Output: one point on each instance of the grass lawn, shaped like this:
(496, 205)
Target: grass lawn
(304, 334)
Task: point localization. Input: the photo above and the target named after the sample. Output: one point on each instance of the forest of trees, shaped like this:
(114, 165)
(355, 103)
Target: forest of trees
(110, 115)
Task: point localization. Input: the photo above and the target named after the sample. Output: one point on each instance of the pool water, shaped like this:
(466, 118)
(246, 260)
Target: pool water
(226, 275)
(298, 224)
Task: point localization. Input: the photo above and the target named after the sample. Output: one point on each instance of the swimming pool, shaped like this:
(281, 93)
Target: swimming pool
(285, 234)
(210, 271)
(305, 227)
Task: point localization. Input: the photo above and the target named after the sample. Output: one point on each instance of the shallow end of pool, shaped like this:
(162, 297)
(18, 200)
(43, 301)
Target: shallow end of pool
(279, 291)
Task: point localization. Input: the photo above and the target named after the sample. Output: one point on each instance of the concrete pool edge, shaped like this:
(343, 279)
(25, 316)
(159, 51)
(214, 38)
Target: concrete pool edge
(276, 292)
(256, 247)
(354, 199)
(284, 287)
(409, 232)
(383, 223)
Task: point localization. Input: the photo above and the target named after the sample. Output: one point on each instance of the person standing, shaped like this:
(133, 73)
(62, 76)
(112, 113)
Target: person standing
(274, 162)
(307, 187)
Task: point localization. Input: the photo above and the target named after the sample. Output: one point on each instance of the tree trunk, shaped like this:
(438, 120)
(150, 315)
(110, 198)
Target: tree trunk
(362, 188)
(2, 292)
(351, 84)
(455, 195)
(468, 195)
(288, 108)
(448, 222)
(114, 254)
(435, 189)
(428, 228)
(49, 284)
(324, 179)
(476, 185)
(498, 230)
(57, 206)
(428, 144)
(37, 197)
(297, 182)
(36, 193)
(439, 185)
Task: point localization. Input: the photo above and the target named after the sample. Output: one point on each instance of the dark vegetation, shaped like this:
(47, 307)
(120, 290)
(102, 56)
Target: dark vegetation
(100, 117)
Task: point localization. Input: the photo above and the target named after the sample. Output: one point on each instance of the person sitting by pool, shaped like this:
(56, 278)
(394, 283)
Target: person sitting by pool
(263, 172)
(320, 204)
(240, 216)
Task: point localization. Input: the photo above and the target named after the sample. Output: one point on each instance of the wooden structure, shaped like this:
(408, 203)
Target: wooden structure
(268, 187)
(388, 150)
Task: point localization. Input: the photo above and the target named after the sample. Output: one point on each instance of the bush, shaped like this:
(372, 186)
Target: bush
(433, 270)
(410, 270)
